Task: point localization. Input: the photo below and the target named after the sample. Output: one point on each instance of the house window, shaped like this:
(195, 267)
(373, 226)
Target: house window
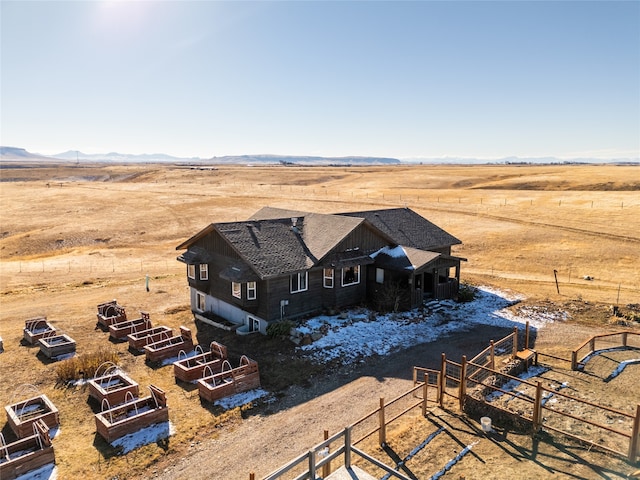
(204, 271)
(379, 275)
(200, 302)
(252, 290)
(328, 277)
(298, 282)
(236, 289)
(191, 271)
(351, 275)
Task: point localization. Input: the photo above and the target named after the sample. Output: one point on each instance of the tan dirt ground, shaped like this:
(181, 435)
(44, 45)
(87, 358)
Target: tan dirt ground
(75, 236)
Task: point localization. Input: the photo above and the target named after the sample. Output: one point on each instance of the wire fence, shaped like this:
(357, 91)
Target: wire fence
(90, 266)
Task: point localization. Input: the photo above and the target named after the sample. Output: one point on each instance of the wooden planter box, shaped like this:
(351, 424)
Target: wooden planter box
(22, 415)
(114, 388)
(138, 340)
(57, 345)
(158, 351)
(37, 328)
(237, 380)
(26, 454)
(122, 329)
(191, 369)
(110, 313)
(130, 417)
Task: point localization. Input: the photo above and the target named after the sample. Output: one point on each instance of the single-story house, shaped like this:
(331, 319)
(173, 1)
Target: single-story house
(285, 264)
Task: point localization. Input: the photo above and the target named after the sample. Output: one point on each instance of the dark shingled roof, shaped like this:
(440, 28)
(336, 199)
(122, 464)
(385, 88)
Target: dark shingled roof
(277, 241)
(271, 247)
(407, 228)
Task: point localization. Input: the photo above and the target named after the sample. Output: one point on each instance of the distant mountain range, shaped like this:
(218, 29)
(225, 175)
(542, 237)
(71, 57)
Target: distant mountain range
(16, 154)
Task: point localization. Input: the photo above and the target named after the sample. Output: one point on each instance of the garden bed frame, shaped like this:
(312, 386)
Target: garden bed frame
(171, 347)
(22, 415)
(116, 422)
(193, 368)
(37, 328)
(110, 313)
(56, 345)
(115, 386)
(229, 382)
(121, 329)
(26, 454)
(138, 340)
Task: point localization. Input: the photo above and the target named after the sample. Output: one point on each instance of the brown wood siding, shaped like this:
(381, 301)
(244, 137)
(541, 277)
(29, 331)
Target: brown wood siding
(303, 303)
(362, 238)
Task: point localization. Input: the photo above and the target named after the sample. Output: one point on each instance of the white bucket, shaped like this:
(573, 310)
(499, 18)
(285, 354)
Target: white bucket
(486, 424)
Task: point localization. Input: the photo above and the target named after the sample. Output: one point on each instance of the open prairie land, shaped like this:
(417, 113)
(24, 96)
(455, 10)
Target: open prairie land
(73, 236)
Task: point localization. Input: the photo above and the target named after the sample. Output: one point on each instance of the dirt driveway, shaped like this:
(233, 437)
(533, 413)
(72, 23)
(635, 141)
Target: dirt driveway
(274, 434)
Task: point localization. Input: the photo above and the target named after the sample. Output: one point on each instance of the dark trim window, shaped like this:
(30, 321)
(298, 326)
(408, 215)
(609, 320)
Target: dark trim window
(236, 289)
(351, 275)
(252, 290)
(204, 271)
(299, 282)
(328, 277)
(200, 301)
(191, 271)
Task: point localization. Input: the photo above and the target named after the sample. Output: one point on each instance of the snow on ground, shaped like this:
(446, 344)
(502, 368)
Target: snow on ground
(144, 436)
(240, 399)
(46, 472)
(360, 333)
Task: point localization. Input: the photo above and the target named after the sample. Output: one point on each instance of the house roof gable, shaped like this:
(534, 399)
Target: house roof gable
(408, 228)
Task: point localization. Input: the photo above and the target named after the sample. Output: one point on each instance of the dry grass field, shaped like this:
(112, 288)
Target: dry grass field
(74, 236)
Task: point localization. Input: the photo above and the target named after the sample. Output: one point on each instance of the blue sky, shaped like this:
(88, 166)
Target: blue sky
(398, 79)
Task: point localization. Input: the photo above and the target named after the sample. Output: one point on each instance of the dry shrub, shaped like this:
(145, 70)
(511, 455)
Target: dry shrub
(84, 366)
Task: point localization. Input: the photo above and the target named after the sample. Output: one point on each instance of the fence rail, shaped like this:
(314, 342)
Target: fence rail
(625, 339)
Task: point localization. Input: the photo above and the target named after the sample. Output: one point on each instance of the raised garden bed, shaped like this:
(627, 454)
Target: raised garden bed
(22, 415)
(115, 387)
(130, 417)
(110, 313)
(121, 329)
(171, 347)
(57, 345)
(237, 380)
(37, 328)
(138, 340)
(26, 454)
(198, 366)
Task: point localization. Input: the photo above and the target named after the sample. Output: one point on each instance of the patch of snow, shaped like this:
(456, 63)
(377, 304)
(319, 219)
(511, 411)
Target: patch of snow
(359, 335)
(46, 472)
(144, 436)
(180, 356)
(240, 399)
(620, 368)
(584, 361)
(395, 252)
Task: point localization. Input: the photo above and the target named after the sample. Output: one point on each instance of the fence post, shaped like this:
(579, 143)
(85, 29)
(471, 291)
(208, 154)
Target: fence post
(526, 336)
(624, 339)
(633, 442)
(425, 393)
(443, 379)
(252, 476)
(312, 464)
(347, 447)
(574, 360)
(537, 408)
(382, 432)
(462, 390)
(592, 345)
(515, 342)
(326, 468)
(415, 376)
(492, 350)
